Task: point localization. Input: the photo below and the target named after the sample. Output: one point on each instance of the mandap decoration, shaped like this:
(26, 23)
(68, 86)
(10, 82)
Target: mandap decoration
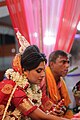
(50, 24)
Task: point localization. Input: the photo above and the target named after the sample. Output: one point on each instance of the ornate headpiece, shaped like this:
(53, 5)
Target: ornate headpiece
(17, 59)
(22, 41)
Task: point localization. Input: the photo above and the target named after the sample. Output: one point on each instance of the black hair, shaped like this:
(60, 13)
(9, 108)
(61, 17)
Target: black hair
(55, 54)
(32, 57)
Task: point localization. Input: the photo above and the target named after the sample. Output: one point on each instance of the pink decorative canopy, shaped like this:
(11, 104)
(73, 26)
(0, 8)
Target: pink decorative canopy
(50, 24)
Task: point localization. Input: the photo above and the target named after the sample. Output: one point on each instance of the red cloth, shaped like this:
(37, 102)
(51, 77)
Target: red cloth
(6, 87)
(4, 95)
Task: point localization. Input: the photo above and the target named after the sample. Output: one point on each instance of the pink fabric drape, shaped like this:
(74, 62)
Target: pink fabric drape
(42, 21)
(67, 26)
(17, 14)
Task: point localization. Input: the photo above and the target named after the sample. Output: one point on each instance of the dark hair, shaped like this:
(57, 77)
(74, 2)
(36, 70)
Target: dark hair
(32, 57)
(55, 54)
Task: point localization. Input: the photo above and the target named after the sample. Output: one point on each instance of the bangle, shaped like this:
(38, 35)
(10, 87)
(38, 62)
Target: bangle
(64, 109)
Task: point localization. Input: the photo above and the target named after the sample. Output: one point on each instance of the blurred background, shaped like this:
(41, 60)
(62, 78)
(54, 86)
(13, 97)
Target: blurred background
(47, 22)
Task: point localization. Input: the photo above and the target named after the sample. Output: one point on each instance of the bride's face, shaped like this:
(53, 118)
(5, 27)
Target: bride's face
(36, 75)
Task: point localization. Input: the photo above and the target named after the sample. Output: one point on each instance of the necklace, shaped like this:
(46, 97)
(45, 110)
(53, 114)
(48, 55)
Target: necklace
(32, 91)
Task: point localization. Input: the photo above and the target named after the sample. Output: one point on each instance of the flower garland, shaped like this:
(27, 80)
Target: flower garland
(32, 91)
(15, 76)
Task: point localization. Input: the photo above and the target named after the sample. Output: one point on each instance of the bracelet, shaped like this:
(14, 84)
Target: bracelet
(64, 109)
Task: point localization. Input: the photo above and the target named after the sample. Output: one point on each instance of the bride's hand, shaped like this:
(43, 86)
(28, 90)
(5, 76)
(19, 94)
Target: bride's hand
(57, 112)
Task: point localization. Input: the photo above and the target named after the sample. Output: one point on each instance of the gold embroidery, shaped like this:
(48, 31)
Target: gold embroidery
(25, 106)
(7, 89)
(48, 105)
(2, 107)
(17, 63)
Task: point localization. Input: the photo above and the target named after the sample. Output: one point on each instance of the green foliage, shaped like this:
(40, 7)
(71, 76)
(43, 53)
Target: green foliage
(75, 68)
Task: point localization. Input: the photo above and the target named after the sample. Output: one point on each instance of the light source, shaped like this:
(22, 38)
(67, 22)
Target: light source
(78, 26)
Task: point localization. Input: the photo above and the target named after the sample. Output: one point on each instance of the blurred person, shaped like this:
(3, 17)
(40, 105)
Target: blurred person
(56, 87)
